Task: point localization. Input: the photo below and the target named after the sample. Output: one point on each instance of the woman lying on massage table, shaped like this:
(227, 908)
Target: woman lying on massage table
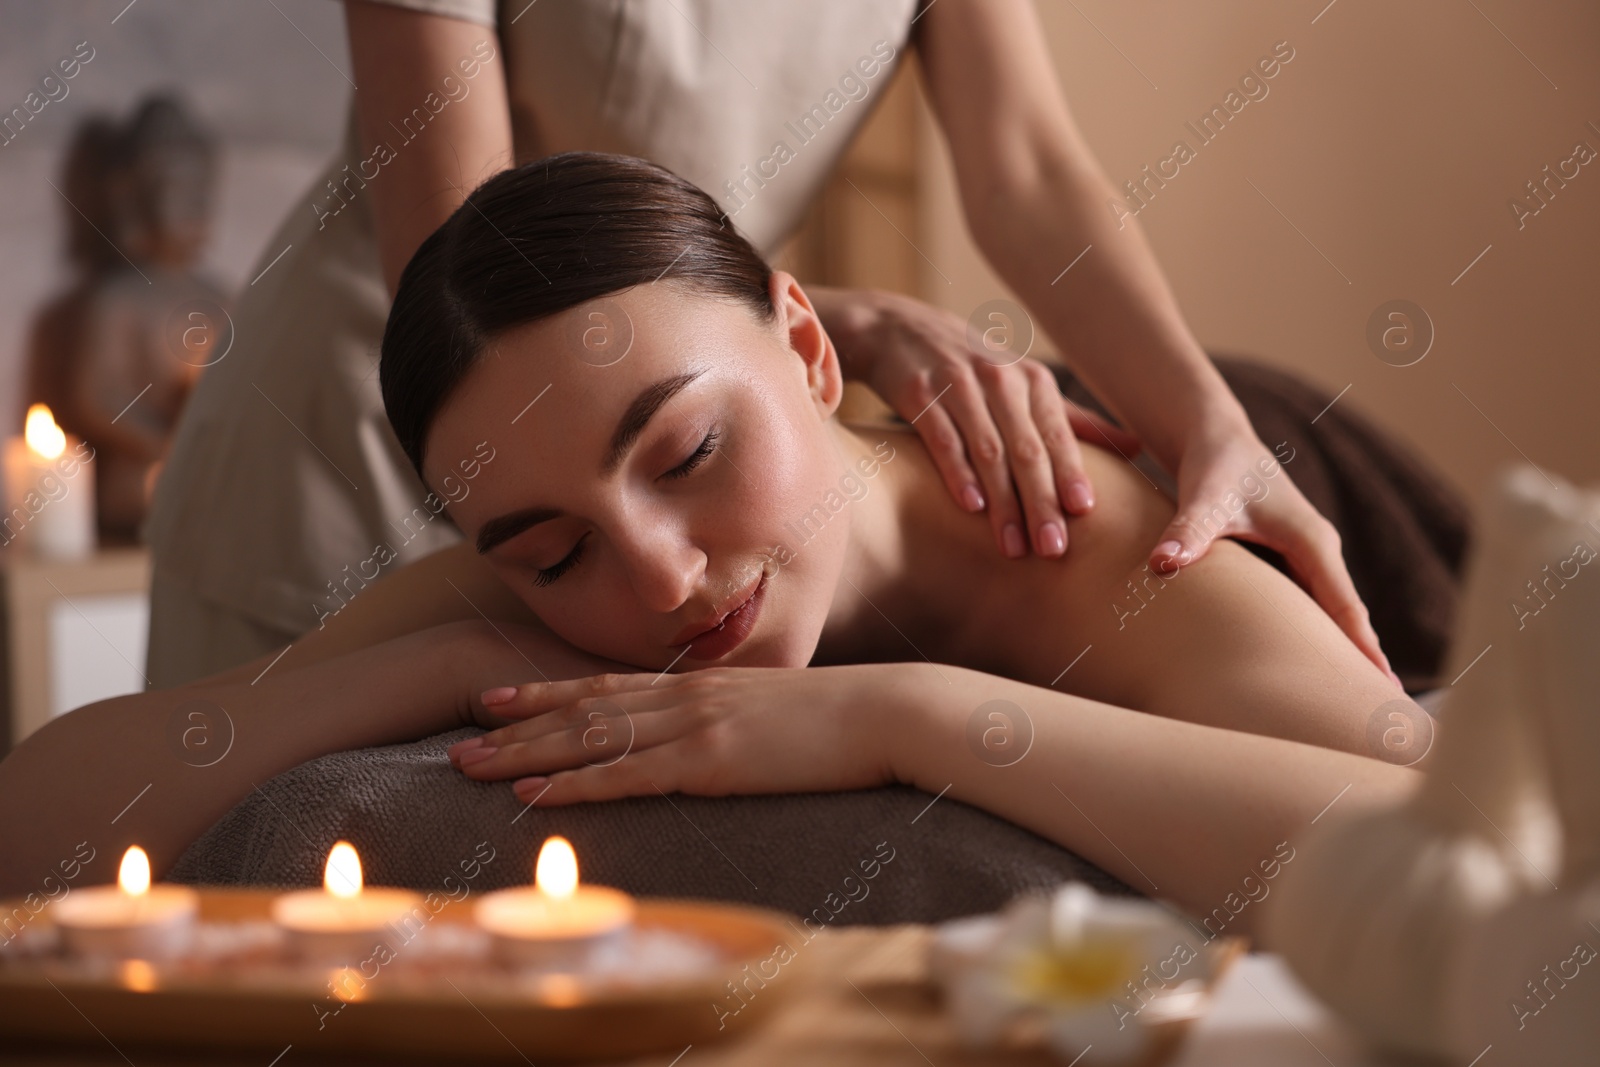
(633, 417)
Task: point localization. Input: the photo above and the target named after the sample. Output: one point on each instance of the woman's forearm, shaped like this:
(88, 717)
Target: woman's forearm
(158, 768)
(1036, 202)
(1113, 316)
(1175, 809)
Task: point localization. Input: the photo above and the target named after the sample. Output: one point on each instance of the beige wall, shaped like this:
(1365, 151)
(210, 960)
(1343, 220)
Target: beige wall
(1393, 139)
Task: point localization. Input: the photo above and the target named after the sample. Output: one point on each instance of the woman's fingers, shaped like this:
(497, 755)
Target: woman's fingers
(1064, 455)
(969, 409)
(583, 735)
(645, 775)
(948, 455)
(534, 698)
(1315, 560)
(1183, 541)
(1011, 392)
(1198, 522)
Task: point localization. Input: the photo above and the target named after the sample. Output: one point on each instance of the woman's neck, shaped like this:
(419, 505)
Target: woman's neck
(913, 560)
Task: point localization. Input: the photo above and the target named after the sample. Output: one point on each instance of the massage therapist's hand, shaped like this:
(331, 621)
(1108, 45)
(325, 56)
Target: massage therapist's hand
(711, 732)
(1209, 474)
(1007, 419)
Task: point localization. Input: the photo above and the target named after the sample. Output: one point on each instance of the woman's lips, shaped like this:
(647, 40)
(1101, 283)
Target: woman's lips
(721, 640)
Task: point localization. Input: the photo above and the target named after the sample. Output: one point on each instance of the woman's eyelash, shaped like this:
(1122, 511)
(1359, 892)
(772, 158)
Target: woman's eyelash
(546, 575)
(698, 457)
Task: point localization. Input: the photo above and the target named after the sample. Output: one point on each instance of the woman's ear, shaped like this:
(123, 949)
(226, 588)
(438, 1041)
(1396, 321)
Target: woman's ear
(800, 326)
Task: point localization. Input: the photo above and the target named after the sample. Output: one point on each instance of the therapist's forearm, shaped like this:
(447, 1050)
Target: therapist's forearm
(400, 59)
(1112, 315)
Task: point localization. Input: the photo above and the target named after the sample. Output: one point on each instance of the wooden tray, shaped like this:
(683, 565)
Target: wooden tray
(475, 1016)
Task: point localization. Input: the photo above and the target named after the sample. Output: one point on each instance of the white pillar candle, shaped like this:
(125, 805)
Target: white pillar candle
(50, 508)
(130, 919)
(555, 923)
(342, 923)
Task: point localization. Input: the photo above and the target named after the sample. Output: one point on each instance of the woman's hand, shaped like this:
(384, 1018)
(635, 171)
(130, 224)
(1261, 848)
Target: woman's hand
(1210, 476)
(1006, 416)
(707, 732)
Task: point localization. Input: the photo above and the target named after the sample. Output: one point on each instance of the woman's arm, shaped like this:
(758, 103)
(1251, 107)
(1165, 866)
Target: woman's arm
(1035, 199)
(402, 59)
(1175, 809)
(159, 768)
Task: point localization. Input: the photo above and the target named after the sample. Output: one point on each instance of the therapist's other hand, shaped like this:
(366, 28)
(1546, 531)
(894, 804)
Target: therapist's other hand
(711, 732)
(1001, 434)
(1214, 474)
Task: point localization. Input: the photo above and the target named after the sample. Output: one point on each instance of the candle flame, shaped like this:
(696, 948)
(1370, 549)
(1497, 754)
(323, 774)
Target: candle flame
(137, 975)
(134, 875)
(341, 876)
(557, 870)
(42, 434)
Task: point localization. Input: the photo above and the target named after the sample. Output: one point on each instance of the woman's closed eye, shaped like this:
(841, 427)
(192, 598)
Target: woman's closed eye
(544, 576)
(697, 457)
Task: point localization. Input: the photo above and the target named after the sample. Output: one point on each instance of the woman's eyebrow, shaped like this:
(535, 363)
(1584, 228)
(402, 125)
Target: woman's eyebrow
(651, 398)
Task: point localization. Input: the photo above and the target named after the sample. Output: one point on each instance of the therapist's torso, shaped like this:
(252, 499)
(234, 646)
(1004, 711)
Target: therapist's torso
(285, 491)
(752, 100)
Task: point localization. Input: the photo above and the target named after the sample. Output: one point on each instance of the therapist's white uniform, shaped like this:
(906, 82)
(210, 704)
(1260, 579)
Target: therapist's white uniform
(285, 492)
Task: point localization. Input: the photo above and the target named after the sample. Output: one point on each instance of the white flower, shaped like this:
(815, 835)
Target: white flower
(1093, 972)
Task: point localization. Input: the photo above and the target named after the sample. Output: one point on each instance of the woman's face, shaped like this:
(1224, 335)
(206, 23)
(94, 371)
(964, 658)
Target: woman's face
(651, 450)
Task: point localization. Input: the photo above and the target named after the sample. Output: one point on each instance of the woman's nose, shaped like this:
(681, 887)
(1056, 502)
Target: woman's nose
(663, 566)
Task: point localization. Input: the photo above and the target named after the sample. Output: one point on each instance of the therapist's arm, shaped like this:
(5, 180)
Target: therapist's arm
(1035, 199)
(400, 57)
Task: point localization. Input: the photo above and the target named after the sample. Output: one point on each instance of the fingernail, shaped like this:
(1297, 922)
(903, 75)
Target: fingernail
(1169, 548)
(532, 784)
(477, 755)
(972, 498)
(1079, 498)
(462, 746)
(1052, 539)
(502, 695)
(1012, 537)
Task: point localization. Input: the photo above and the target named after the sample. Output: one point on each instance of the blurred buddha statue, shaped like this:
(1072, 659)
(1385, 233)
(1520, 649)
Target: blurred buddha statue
(116, 354)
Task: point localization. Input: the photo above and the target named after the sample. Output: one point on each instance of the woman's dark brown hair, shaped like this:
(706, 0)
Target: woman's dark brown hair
(539, 239)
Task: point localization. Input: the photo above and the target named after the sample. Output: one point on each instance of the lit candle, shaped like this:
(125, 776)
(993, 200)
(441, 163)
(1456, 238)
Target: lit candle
(342, 922)
(130, 919)
(49, 490)
(555, 922)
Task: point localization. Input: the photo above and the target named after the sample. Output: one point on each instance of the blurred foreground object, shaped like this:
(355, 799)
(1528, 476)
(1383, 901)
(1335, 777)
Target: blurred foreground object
(1097, 979)
(1466, 918)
